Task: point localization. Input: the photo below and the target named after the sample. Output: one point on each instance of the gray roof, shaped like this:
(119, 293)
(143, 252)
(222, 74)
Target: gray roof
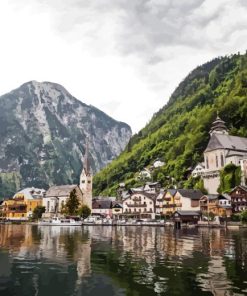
(188, 213)
(172, 191)
(63, 190)
(101, 204)
(191, 193)
(223, 141)
(215, 196)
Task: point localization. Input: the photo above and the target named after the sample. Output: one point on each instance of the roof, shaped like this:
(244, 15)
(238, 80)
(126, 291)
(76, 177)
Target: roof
(223, 141)
(32, 193)
(191, 193)
(241, 187)
(101, 204)
(63, 190)
(149, 195)
(188, 213)
(172, 191)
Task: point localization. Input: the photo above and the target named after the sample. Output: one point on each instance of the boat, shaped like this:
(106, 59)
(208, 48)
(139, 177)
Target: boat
(60, 222)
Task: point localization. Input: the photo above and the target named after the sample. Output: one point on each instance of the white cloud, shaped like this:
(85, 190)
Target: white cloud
(125, 57)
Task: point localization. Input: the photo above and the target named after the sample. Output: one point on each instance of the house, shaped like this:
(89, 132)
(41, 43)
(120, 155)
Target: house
(140, 205)
(185, 217)
(198, 170)
(152, 187)
(159, 202)
(239, 199)
(144, 174)
(187, 199)
(158, 163)
(21, 206)
(169, 203)
(102, 207)
(56, 198)
(216, 204)
(117, 209)
(221, 150)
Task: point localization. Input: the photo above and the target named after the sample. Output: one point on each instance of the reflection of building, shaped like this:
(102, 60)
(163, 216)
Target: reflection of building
(222, 149)
(23, 203)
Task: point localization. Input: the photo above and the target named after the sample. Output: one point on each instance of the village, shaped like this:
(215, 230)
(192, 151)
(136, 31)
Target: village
(149, 204)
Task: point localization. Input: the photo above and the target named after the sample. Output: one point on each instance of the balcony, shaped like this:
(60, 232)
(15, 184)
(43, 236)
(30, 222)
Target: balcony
(136, 205)
(169, 206)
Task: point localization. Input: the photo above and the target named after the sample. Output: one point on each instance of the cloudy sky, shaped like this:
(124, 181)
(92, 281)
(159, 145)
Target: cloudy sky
(122, 56)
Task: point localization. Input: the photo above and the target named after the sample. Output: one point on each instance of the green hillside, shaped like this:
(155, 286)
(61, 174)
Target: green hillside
(178, 133)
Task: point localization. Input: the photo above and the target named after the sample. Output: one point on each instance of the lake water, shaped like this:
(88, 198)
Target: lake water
(134, 260)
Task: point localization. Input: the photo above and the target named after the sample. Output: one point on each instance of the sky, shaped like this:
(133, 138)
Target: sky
(125, 57)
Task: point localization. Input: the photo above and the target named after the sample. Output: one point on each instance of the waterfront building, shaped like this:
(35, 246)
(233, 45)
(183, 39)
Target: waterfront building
(140, 205)
(56, 198)
(102, 207)
(187, 199)
(221, 150)
(239, 199)
(216, 204)
(21, 206)
(117, 209)
(170, 204)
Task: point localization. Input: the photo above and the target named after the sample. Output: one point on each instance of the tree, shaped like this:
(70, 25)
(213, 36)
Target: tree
(243, 216)
(84, 211)
(37, 212)
(72, 203)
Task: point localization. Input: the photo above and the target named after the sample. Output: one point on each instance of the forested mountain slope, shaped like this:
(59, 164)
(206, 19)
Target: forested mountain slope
(179, 132)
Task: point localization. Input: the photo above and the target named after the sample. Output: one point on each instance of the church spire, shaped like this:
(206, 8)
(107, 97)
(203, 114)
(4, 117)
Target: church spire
(86, 165)
(218, 126)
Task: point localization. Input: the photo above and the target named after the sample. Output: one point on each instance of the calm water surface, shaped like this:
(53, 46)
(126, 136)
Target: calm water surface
(98, 260)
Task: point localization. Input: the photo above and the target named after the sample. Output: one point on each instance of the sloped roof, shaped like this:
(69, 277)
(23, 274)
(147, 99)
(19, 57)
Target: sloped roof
(172, 191)
(32, 193)
(63, 190)
(101, 204)
(188, 213)
(224, 141)
(191, 193)
(241, 187)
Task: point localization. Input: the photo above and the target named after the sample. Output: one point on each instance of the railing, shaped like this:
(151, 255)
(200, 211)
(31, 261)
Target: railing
(136, 205)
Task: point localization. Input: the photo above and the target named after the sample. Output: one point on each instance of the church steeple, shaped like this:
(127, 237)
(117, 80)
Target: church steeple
(218, 126)
(86, 179)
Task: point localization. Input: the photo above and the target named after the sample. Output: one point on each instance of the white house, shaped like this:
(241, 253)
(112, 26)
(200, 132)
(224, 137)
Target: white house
(188, 199)
(140, 205)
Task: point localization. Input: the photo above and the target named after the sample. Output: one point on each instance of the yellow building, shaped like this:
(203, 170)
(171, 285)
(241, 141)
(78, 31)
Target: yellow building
(23, 203)
(169, 203)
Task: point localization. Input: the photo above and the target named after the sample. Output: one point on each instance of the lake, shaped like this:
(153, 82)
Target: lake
(122, 260)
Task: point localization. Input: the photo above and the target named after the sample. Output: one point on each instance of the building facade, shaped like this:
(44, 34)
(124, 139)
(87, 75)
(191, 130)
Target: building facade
(222, 149)
(239, 199)
(140, 205)
(187, 199)
(22, 205)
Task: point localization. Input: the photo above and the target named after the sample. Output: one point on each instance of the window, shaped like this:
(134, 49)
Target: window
(216, 160)
(48, 205)
(89, 181)
(207, 163)
(221, 160)
(83, 181)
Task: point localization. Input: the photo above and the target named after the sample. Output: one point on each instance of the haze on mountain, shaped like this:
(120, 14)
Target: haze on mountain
(125, 57)
(43, 132)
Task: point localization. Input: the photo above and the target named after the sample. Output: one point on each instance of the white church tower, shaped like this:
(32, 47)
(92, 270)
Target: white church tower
(86, 181)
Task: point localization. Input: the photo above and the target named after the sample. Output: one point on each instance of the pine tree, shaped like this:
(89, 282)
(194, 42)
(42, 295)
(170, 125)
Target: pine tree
(72, 203)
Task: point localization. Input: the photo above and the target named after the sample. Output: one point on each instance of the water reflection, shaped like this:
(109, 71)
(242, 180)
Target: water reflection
(98, 260)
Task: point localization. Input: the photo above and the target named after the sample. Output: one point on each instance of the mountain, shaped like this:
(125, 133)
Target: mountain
(43, 132)
(179, 132)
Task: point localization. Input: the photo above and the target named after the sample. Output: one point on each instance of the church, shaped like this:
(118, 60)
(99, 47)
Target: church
(222, 149)
(57, 196)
